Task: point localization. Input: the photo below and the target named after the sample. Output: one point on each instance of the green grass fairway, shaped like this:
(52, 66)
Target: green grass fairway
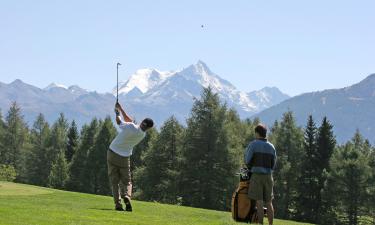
(25, 204)
(21, 189)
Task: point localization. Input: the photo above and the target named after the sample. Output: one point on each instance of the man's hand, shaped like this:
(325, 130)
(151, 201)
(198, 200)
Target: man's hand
(117, 111)
(124, 115)
(118, 106)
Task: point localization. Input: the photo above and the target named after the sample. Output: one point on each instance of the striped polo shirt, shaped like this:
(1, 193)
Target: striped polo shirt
(260, 156)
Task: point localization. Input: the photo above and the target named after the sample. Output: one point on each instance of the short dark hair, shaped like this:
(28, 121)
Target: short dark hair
(148, 122)
(261, 130)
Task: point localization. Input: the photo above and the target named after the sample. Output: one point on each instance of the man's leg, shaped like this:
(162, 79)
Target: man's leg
(126, 190)
(114, 178)
(260, 211)
(256, 193)
(270, 212)
(268, 198)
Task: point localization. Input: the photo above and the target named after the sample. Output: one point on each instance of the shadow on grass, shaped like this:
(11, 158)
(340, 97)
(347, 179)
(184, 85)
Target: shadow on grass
(103, 209)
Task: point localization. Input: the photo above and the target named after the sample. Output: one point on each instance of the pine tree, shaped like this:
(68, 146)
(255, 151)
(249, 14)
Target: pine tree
(137, 161)
(371, 187)
(158, 180)
(58, 140)
(288, 141)
(79, 179)
(308, 188)
(59, 172)
(238, 134)
(37, 168)
(274, 132)
(326, 143)
(2, 132)
(368, 197)
(350, 174)
(139, 151)
(248, 131)
(15, 141)
(97, 159)
(207, 170)
(72, 145)
(361, 144)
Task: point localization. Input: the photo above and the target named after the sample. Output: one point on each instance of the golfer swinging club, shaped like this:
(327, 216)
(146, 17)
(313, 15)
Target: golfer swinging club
(118, 156)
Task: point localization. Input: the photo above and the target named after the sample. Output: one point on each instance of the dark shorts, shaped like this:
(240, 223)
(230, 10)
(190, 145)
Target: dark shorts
(261, 187)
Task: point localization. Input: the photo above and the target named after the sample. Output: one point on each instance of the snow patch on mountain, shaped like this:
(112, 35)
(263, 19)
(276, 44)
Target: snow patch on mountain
(144, 80)
(75, 89)
(54, 85)
(266, 97)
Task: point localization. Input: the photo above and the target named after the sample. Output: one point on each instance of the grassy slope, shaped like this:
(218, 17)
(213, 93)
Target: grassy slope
(25, 204)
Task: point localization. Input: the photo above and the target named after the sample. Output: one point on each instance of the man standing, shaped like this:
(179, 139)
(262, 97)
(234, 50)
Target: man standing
(118, 156)
(260, 156)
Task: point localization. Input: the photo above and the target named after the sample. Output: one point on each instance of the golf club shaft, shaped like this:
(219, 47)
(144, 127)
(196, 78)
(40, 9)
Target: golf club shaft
(117, 83)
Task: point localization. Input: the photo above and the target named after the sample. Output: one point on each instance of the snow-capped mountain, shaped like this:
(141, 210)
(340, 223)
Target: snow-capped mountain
(267, 97)
(74, 89)
(143, 80)
(147, 93)
(156, 88)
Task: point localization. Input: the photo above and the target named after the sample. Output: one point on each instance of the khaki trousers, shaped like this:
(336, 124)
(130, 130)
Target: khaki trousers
(119, 176)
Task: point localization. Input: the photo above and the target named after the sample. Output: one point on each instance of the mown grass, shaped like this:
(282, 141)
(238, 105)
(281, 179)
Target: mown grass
(25, 204)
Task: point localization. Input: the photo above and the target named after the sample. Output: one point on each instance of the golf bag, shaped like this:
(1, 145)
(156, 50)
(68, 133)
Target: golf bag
(243, 208)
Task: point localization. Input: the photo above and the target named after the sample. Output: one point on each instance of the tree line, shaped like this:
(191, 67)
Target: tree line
(316, 179)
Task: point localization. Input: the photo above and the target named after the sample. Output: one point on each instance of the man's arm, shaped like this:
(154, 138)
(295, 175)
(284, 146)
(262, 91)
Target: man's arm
(274, 161)
(249, 154)
(126, 117)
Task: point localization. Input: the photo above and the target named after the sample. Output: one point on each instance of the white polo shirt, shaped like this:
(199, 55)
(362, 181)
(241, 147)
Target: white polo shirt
(129, 136)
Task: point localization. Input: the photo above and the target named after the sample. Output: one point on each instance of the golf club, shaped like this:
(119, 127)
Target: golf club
(118, 64)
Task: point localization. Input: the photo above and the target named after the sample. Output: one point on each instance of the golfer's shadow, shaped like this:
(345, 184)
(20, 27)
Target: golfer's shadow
(102, 209)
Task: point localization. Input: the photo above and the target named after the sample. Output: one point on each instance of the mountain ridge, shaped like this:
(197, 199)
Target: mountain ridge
(349, 108)
(163, 94)
(189, 82)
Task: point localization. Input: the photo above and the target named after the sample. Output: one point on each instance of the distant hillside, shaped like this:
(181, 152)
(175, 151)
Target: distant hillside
(74, 102)
(348, 109)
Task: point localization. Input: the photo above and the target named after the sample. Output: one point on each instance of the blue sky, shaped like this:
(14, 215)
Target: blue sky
(298, 46)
